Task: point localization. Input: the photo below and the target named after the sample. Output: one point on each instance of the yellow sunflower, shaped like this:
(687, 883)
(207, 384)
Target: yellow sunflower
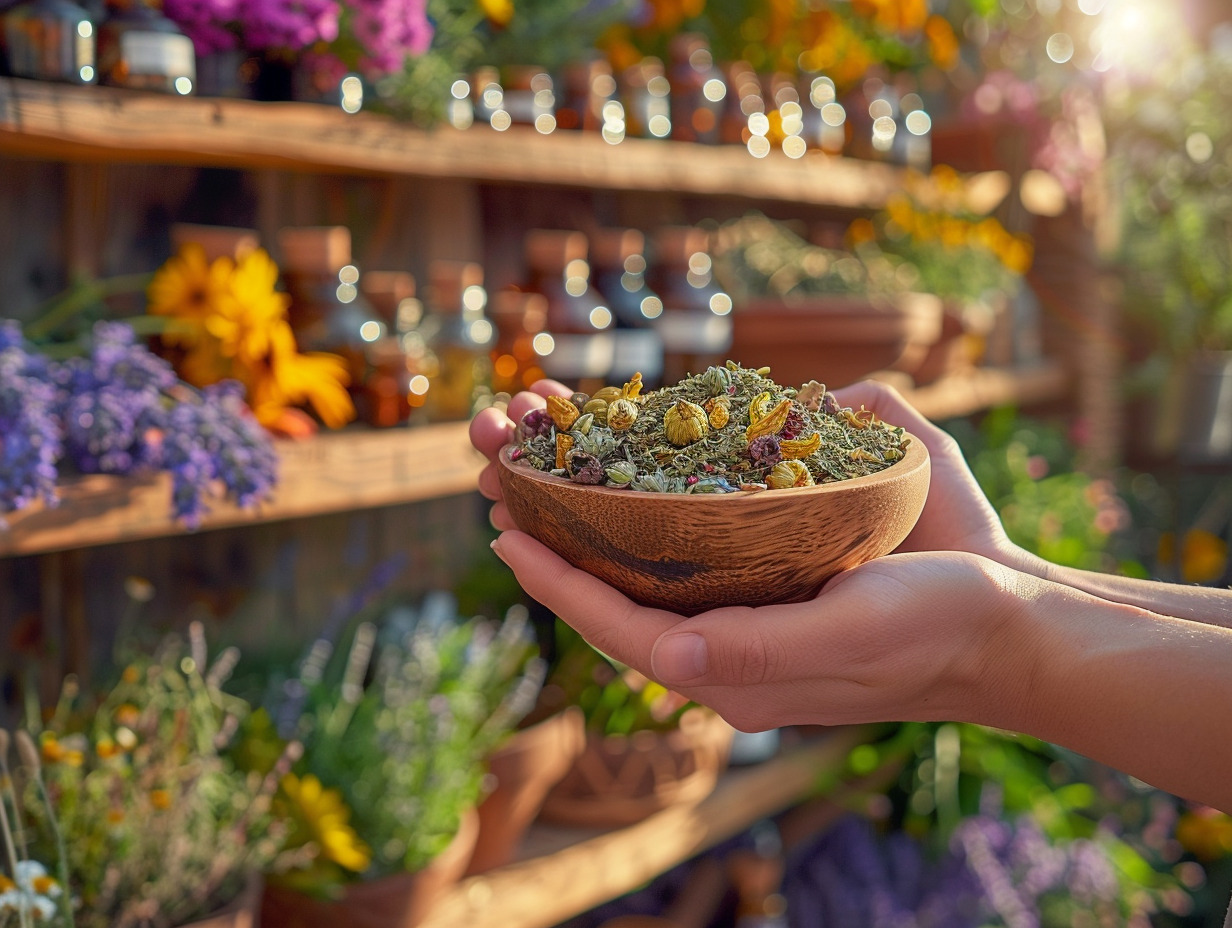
(326, 819)
(499, 12)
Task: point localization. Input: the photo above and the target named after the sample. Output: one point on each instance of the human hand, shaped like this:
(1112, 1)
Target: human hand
(957, 515)
(904, 637)
(492, 428)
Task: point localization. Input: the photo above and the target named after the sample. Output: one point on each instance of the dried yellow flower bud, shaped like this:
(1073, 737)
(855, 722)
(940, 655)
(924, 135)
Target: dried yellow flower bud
(563, 412)
(633, 388)
(787, 474)
(685, 423)
(718, 408)
(607, 394)
(621, 414)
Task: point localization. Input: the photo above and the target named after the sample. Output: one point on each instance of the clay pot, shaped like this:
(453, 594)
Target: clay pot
(837, 339)
(399, 901)
(621, 779)
(525, 769)
(691, 552)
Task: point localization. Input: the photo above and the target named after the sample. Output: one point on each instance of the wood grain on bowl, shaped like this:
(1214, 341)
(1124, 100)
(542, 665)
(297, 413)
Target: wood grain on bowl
(691, 552)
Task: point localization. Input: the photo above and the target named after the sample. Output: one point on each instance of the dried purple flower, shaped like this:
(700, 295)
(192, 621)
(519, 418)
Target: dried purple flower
(765, 450)
(795, 424)
(829, 404)
(534, 424)
(585, 468)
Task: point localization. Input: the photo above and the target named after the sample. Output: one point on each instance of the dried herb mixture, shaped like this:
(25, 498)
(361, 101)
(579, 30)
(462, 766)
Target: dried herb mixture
(727, 429)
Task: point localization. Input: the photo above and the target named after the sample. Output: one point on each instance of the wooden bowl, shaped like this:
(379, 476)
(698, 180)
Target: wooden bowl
(691, 552)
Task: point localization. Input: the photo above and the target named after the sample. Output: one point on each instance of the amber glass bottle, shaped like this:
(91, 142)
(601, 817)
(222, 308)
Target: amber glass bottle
(50, 40)
(457, 337)
(140, 48)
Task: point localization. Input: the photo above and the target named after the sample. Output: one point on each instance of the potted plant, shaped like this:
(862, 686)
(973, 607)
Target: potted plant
(646, 747)
(1169, 145)
(395, 729)
(814, 311)
(128, 810)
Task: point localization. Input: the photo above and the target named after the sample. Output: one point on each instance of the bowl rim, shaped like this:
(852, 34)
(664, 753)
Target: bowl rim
(915, 457)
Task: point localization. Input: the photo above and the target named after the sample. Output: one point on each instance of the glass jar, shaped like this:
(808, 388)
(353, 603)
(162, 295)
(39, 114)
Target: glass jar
(530, 98)
(328, 312)
(140, 48)
(50, 40)
(454, 344)
(557, 266)
(618, 259)
(698, 90)
(648, 103)
(587, 86)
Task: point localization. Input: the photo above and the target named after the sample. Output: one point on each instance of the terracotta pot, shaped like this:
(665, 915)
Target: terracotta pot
(244, 912)
(525, 769)
(620, 780)
(399, 901)
(836, 339)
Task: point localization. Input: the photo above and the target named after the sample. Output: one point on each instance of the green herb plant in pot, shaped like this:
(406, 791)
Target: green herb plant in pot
(396, 731)
(1170, 145)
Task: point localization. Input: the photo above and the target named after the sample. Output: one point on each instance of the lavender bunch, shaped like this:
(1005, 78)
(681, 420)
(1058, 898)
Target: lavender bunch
(122, 410)
(853, 877)
(30, 439)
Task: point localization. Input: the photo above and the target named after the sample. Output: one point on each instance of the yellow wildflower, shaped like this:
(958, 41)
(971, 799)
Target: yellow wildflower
(187, 288)
(51, 749)
(903, 16)
(1204, 555)
(1206, 833)
(160, 799)
(942, 42)
(327, 819)
(251, 304)
(233, 324)
(497, 11)
(291, 378)
(6, 885)
(127, 714)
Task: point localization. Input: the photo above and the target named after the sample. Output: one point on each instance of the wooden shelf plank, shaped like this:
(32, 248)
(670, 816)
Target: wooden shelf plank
(547, 889)
(985, 387)
(359, 468)
(61, 122)
(332, 472)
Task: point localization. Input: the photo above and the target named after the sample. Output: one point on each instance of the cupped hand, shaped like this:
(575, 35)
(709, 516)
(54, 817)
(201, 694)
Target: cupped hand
(957, 515)
(882, 642)
(492, 428)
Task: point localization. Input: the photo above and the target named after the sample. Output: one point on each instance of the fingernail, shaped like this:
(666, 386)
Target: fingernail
(495, 546)
(679, 658)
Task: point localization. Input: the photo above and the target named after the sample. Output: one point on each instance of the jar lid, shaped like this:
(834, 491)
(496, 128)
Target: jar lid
(314, 249)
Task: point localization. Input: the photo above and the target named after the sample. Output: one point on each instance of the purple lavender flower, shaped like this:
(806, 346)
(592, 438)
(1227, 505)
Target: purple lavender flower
(585, 468)
(29, 430)
(120, 411)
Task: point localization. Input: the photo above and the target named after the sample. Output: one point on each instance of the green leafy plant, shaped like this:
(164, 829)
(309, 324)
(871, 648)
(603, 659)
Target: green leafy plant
(131, 801)
(614, 700)
(1170, 144)
(398, 724)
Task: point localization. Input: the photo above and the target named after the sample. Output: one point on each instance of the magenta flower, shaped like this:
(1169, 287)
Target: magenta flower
(389, 32)
(213, 25)
(289, 24)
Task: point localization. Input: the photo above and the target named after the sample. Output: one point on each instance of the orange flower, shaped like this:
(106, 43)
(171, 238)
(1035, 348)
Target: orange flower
(160, 799)
(902, 16)
(942, 43)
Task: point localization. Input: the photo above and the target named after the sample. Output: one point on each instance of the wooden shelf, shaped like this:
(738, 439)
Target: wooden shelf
(573, 870)
(66, 123)
(985, 387)
(357, 469)
(333, 472)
